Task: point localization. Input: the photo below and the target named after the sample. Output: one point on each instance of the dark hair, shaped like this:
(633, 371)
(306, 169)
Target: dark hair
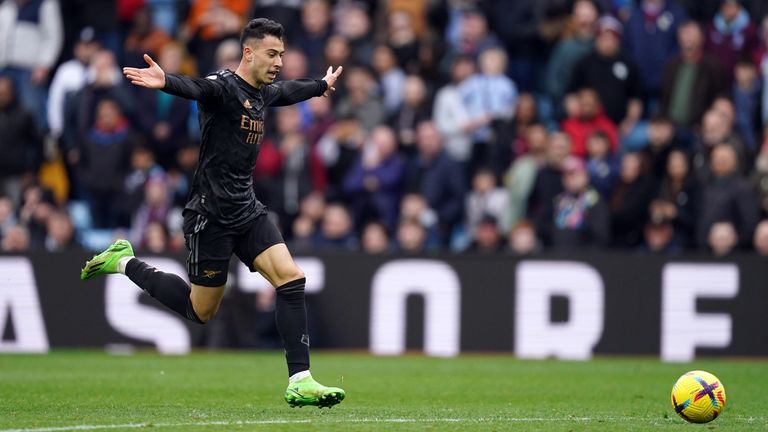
(258, 28)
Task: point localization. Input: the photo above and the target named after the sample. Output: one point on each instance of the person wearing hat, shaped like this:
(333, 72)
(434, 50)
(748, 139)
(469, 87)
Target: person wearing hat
(70, 77)
(615, 77)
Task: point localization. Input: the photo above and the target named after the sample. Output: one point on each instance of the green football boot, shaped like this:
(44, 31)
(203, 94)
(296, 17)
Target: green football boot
(106, 262)
(307, 391)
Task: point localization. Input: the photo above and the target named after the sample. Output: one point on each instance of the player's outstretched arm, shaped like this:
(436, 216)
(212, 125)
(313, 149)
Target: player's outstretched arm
(290, 92)
(330, 78)
(152, 77)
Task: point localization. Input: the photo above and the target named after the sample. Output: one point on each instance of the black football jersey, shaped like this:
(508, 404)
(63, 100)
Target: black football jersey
(231, 115)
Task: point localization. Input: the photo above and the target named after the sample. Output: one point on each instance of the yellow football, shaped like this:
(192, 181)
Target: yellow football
(698, 396)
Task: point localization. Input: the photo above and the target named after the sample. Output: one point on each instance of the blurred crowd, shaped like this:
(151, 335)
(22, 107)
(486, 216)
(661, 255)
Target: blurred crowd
(488, 126)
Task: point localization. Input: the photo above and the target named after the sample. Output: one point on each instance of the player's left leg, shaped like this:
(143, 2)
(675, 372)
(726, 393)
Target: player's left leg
(263, 250)
(278, 267)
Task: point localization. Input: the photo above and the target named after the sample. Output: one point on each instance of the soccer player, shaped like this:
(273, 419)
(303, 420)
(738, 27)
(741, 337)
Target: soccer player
(223, 215)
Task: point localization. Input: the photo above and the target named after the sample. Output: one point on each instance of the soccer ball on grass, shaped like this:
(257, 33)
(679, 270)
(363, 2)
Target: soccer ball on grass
(698, 397)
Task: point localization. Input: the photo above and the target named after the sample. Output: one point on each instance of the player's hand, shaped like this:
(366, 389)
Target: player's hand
(330, 78)
(152, 77)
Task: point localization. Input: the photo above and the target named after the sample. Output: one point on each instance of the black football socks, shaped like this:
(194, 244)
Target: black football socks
(291, 318)
(167, 288)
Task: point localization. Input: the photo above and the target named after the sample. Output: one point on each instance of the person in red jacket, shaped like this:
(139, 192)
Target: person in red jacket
(586, 118)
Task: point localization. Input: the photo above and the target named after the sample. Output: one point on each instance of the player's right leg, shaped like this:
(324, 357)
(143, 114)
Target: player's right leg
(207, 270)
(169, 289)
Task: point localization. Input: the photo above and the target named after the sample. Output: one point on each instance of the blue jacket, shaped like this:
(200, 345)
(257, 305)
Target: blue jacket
(650, 43)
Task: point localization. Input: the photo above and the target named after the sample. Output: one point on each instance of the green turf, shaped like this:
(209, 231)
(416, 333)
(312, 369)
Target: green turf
(243, 391)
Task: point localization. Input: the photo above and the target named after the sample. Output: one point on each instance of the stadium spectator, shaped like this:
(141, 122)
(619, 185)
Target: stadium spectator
(577, 44)
(759, 179)
(36, 207)
(589, 118)
(722, 239)
(602, 164)
(489, 94)
(727, 197)
(302, 234)
(209, 22)
(760, 59)
(21, 145)
(579, 218)
(31, 38)
(338, 148)
(391, 78)
(760, 240)
(359, 99)
(104, 163)
(155, 208)
(155, 238)
(313, 207)
(659, 237)
(402, 38)
(60, 233)
(7, 215)
(731, 35)
(486, 199)
(473, 36)
(228, 54)
(509, 137)
(354, 24)
(521, 26)
(337, 51)
(317, 121)
(548, 185)
(163, 119)
(181, 177)
(336, 229)
(436, 176)
(374, 239)
(144, 38)
(15, 239)
(104, 82)
(691, 80)
(286, 12)
(486, 238)
(70, 76)
(522, 239)
(716, 129)
(650, 40)
(451, 116)
(411, 237)
(374, 183)
(414, 110)
(614, 77)
(287, 169)
(678, 198)
(295, 66)
(746, 102)
(661, 139)
(414, 207)
(143, 166)
(630, 200)
(315, 26)
(519, 180)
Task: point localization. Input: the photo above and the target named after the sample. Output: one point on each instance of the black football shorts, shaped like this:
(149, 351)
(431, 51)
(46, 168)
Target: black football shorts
(211, 246)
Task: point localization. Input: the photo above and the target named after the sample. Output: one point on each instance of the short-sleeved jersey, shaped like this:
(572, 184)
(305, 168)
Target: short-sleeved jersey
(231, 116)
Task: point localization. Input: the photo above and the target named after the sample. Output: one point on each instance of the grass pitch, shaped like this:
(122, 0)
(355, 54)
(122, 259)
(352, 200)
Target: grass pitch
(75, 391)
